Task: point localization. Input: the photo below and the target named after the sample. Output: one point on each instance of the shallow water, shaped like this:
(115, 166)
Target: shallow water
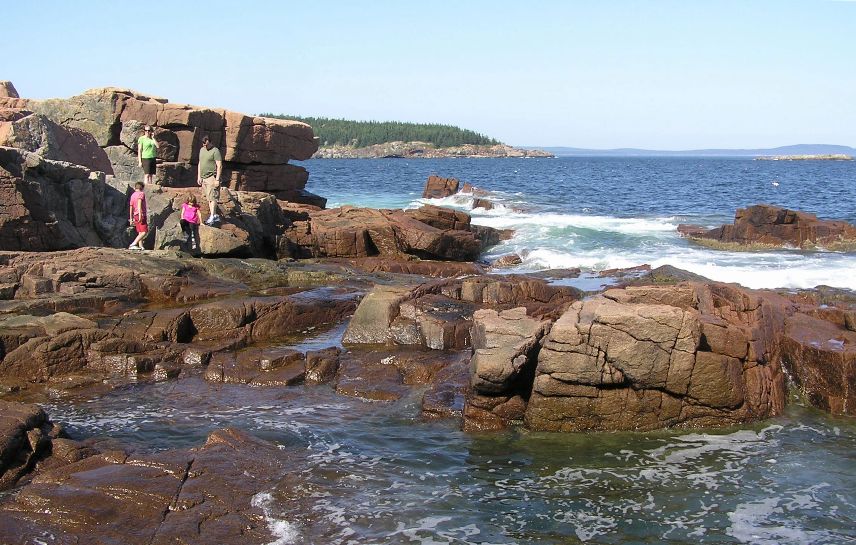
(377, 473)
(611, 212)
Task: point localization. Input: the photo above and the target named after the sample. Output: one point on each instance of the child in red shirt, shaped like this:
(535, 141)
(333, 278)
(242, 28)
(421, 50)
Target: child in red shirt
(138, 216)
(190, 221)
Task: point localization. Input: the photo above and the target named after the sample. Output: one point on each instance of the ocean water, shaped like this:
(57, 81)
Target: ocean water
(603, 213)
(377, 473)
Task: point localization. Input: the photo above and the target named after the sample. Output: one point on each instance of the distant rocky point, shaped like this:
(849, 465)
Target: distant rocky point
(827, 157)
(409, 150)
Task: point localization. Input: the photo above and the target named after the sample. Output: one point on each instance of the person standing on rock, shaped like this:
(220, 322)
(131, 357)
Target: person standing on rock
(210, 170)
(190, 221)
(137, 216)
(147, 151)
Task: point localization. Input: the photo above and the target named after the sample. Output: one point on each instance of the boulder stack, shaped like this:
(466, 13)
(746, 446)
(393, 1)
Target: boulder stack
(256, 150)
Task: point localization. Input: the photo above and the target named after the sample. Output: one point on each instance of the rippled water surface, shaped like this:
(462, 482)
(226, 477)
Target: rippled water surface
(377, 473)
(611, 212)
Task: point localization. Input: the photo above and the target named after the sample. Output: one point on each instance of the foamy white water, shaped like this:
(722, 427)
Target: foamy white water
(594, 243)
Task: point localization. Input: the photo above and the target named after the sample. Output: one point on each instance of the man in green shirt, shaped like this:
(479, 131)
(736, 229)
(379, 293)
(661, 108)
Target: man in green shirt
(147, 151)
(210, 170)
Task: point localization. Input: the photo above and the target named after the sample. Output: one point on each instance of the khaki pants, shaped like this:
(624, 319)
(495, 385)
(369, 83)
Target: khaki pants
(211, 189)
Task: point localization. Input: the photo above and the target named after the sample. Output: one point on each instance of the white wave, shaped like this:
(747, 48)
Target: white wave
(633, 226)
(790, 270)
(284, 531)
(757, 523)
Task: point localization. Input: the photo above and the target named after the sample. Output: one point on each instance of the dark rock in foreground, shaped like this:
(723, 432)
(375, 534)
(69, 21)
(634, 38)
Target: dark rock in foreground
(764, 226)
(213, 494)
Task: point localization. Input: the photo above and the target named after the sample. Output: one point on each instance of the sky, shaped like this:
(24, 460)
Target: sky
(679, 74)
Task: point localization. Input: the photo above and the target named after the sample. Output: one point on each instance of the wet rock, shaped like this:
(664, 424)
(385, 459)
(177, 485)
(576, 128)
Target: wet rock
(482, 203)
(258, 367)
(821, 357)
(770, 226)
(322, 365)
(205, 493)
(437, 187)
(505, 351)
(508, 260)
(371, 376)
(25, 433)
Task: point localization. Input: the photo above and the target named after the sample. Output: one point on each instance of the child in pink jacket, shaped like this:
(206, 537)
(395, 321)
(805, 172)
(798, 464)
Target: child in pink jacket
(190, 221)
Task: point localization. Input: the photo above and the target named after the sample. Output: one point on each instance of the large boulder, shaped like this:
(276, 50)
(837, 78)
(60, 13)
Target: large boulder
(437, 187)
(53, 205)
(364, 232)
(764, 225)
(653, 357)
(38, 134)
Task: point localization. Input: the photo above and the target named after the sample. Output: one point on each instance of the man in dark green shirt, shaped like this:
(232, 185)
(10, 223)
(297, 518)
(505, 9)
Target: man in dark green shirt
(210, 170)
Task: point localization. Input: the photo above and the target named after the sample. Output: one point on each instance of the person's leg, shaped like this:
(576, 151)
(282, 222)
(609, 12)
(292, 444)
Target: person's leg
(195, 229)
(138, 242)
(185, 228)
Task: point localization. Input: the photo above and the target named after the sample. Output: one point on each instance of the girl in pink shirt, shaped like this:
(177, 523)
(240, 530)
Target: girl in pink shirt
(190, 221)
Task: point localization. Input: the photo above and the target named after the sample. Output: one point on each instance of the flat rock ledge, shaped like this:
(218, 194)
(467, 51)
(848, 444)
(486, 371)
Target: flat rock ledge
(765, 226)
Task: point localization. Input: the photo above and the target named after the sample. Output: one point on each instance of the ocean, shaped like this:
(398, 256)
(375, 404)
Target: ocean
(377, 473)
(609, 212)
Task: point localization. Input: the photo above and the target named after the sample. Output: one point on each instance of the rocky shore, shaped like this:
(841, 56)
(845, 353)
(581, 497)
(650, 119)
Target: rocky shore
(415, 150)
(421, 320)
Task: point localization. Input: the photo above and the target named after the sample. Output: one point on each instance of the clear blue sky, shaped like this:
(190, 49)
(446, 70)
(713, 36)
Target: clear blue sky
(678, 74)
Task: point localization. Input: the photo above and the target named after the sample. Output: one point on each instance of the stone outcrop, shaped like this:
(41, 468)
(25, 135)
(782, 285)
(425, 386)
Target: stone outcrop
(437, 187)
(638, 358)
(819, 352)
(769, 226)
(439, 315)
(36, 133)
(256, 150)
(650, 357)
(7, 90)
(25, 439)
(52, 205)
(428, 233)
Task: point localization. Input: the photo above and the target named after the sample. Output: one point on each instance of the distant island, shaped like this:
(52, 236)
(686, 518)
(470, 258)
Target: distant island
(347, 139)
(828, 157)
(795, 150)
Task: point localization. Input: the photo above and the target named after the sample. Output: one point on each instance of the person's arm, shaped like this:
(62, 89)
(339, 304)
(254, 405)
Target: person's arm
(140, 151)
(199, 170)
(219, 170)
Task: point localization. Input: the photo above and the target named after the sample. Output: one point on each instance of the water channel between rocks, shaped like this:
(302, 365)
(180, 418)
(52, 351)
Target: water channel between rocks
(370, 472)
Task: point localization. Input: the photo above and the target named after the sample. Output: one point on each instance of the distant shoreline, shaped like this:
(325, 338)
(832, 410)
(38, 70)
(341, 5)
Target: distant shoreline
(833, 157)
(424, 150)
